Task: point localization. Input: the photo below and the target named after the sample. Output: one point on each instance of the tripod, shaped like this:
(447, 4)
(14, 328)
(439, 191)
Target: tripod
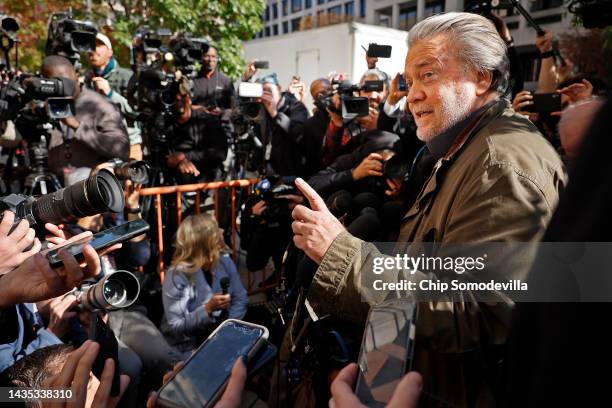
(40, 181)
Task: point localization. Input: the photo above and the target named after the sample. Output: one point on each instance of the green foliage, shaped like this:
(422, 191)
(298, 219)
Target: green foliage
(227, 23)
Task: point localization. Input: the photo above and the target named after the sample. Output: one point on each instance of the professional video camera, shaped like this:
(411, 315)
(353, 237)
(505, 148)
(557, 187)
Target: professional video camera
(146, 46)
(68, 37)
(94, 195)
(36, 99)
(117, 290)
(137, 171)
(592, 13)
(351, 106)
(187, 53)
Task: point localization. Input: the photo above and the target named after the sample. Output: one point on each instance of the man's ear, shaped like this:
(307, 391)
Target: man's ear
(484, 79)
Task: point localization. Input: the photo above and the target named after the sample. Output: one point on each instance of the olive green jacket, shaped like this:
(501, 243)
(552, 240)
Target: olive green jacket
(500, 182)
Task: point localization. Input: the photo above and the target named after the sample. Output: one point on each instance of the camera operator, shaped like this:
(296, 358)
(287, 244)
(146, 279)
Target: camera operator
(96, 134)
(315, 127)
(212, 90)
(111, 80)
(199, 141)
(339, 139)
(282, 129)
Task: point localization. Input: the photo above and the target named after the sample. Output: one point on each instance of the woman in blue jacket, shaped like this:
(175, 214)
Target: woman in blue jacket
(192, 290)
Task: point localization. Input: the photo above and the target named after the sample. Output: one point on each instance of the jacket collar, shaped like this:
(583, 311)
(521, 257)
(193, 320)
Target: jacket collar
(451, 140)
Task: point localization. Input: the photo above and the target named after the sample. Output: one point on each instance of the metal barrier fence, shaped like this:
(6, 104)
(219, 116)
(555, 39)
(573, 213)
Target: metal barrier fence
(186, 188)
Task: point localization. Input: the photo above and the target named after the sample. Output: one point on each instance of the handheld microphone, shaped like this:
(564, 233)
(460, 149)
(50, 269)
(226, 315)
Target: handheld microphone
(225, 283)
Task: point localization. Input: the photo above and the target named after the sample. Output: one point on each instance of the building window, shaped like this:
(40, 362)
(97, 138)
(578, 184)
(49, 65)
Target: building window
(349, 8)
(407, 17)
(267, 15)
(335, 10)
(285, 27)
(385, 17)
(296, 5)
(285, 7)
(307, 4)
(538, 5)
(320, 1)
(433, 7)
(267, 31)
(295, 24)
(275, 11)
(275, 29)
(362, 8)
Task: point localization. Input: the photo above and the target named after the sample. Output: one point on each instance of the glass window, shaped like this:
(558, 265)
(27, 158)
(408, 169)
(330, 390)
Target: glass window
(335, 10)
(320, 1)
(285, 27)
(349, 8)
(267, 31)
(307, 4)
(275, 11)
(267, 16)
(362, 8)
(434, 7)
(385, 17)
(285, 7)
(295, 24)
(407, 17)
(275, 29)
(296, 5)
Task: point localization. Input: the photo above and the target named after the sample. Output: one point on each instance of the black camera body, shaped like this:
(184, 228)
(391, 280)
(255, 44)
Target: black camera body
(36, 99)
(68, 37)
(352, 106)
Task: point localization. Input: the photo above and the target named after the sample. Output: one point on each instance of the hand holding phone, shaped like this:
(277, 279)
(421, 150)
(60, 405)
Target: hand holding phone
(203, 378)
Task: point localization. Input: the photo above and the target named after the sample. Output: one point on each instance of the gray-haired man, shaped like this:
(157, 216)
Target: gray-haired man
(495, 178)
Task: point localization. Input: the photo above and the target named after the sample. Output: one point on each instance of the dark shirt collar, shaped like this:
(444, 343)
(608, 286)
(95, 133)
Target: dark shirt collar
(440, 145)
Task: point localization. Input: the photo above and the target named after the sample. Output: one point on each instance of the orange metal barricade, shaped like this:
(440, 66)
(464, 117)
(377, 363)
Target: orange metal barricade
(185, 188)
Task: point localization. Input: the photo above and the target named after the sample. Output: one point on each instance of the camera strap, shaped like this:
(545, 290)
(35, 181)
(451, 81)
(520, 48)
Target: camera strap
(67, 138)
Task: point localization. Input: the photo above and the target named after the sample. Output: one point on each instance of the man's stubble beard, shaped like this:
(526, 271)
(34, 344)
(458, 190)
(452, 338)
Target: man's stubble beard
(457, 101)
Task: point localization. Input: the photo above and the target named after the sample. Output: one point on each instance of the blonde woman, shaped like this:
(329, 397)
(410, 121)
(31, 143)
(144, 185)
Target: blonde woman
(192, 291)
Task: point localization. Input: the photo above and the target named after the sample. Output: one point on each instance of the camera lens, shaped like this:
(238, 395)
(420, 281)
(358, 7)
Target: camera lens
(114, 292)
(94, 195)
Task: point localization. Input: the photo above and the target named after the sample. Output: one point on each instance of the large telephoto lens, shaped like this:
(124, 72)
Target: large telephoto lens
(116, 291)
(94, 195)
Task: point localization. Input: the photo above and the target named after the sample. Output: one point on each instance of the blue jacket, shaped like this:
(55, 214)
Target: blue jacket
(184, 300)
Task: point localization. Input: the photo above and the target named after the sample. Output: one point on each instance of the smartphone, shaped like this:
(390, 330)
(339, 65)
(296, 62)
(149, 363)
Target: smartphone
(262, 64)
(545, 103)
(101, 240)
(401, 83)
(266, 354)
(386, 351)
(202, 380)
(379, 50)
(109, 348)
(250, 90)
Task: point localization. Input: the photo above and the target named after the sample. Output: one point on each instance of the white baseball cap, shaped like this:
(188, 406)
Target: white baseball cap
(104, 39)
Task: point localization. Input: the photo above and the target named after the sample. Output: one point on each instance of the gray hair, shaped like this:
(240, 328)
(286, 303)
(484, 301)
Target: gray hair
(478, 43)
(375, 72)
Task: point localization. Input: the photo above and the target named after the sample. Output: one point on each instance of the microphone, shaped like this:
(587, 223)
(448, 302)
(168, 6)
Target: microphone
(225, 283)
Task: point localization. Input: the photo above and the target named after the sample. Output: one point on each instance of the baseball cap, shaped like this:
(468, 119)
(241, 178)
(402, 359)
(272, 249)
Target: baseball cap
(104, 39)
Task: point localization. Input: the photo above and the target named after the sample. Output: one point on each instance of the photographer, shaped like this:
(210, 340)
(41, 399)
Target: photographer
(111, 80)
(199, 141)
(315, 126)
(341, 138)
(96, 134)
(282, 129)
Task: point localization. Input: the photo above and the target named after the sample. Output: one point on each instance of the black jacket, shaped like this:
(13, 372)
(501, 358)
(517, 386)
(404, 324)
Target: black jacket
(203, 141)
(312, 142)
(283, 137)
